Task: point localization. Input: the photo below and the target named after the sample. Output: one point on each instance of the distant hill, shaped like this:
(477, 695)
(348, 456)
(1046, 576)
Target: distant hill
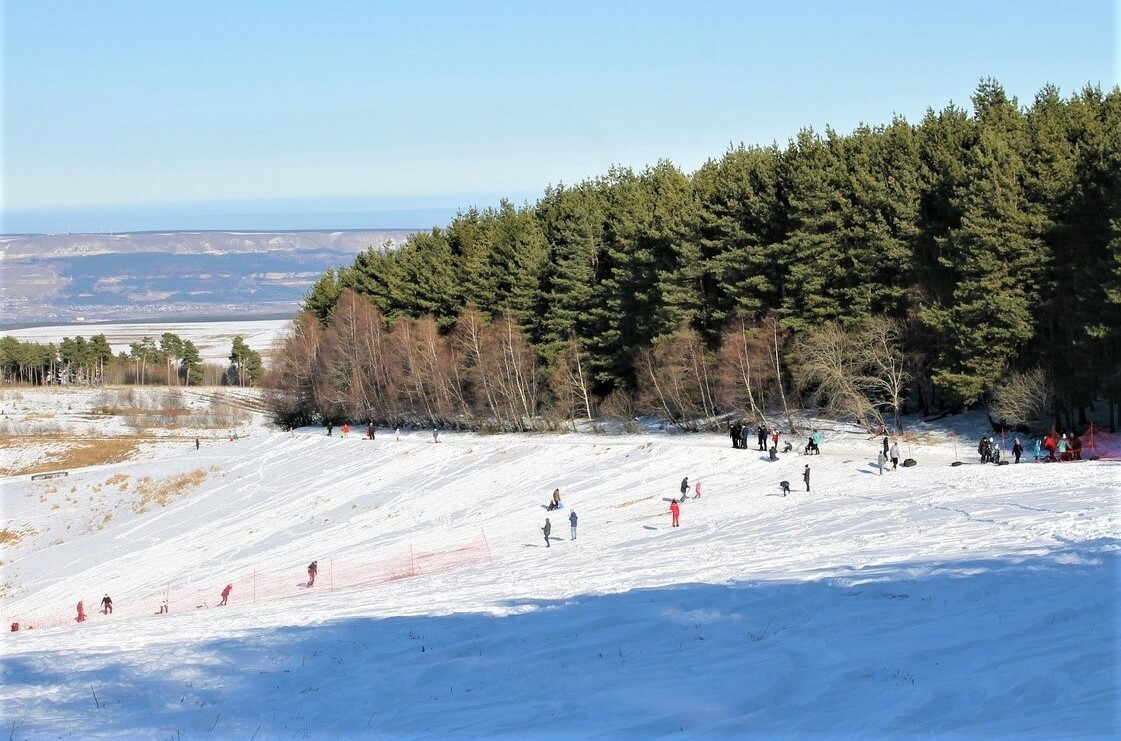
(48, 278)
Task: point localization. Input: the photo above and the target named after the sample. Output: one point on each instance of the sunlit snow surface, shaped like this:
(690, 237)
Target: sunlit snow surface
(973, 601)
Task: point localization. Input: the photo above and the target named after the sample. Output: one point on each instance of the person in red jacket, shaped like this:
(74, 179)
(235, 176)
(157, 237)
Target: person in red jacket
(81, 611)
(675, 510)
(226, 593)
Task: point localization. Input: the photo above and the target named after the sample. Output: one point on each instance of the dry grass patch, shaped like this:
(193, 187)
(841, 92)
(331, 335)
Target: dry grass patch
(921, 438)
(77, 454)
(10, 538)
(160, 493)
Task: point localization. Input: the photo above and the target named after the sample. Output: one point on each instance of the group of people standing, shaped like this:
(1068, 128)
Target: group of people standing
(740, 431)
(548, 527)
(890, 452)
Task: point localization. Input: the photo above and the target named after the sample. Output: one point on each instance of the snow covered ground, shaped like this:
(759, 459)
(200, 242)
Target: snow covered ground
(213, 339)
(972, 601)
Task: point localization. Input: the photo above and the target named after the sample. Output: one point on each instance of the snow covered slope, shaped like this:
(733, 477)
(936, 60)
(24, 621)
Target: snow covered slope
(970, 601)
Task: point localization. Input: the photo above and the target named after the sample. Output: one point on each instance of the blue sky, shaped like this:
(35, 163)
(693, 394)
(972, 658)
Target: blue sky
(178, 115)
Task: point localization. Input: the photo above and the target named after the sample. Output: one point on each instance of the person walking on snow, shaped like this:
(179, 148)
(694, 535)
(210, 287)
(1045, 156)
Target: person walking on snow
(684, 487)
(312, 570)
(226, 593)
(697, 489)
(435, 435)
(761, 433)
(885, 447)
(675, 512)
(1017, 449)
(572, 522)
(81, 611)
(806, 477)
(106, 605)
(881, 461)
(894, 456)
(547, 530)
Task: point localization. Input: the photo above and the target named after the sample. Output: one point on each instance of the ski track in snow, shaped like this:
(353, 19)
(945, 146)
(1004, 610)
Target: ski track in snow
(964, 601)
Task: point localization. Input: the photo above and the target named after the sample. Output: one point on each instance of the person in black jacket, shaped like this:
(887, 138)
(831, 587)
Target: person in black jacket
(547, 530)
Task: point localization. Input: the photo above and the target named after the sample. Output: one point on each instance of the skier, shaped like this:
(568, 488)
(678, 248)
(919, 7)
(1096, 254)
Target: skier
(684, 487)
(894, 456)
(106, 605)
(675, 511)
(547, 530)
(81, 611)
(312, 570)
(226, 593)
(806, 476)
(572, 523)
(881, 461)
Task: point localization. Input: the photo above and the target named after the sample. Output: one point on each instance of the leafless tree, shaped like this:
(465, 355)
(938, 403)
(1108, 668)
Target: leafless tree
(570, 383)
(293, 372)
(853, 372)
(1023, 397)
(746, 373)
(675, 377)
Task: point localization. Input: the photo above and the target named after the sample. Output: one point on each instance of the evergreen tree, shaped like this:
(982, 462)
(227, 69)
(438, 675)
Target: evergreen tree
(736, 223)
(990, 317)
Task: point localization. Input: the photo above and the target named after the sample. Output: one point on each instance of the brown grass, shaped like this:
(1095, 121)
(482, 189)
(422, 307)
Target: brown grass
(13, 537)
(77, 454)
(160, 493)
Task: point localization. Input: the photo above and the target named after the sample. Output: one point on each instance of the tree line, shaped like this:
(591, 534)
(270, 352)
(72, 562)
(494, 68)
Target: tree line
(173, 362)
(984, 247)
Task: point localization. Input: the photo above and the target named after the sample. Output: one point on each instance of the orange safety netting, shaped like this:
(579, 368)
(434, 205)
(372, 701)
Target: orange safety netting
(262, 586)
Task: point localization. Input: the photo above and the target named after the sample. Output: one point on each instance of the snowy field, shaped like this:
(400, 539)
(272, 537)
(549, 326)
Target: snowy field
(213, 339)
(970, 602)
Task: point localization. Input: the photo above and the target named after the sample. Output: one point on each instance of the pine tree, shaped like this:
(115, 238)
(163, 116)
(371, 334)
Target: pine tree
(990, 316)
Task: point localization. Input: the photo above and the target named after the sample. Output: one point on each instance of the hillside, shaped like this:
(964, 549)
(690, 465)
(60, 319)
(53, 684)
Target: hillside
(969, 601)
(149, 275)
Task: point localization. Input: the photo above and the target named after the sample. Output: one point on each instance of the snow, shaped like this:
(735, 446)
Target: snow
(969, 601)
(213, 339)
